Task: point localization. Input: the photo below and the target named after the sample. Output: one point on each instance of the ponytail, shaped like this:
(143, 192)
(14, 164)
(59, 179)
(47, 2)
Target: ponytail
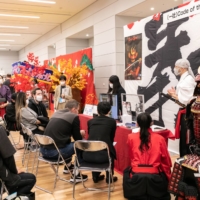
(144, 121)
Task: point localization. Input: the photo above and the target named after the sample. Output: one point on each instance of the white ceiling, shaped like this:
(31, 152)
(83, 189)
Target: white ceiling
(51, 15)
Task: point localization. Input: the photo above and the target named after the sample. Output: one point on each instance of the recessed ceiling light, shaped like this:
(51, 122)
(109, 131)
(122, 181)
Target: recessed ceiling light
(4, 45)
(20, 16)
(7, 40)
(87, 35)
(40, 1)
(152, 8)
(10, 34)
(18, 27)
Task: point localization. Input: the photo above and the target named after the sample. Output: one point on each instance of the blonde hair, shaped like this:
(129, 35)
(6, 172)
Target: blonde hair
(19, 104)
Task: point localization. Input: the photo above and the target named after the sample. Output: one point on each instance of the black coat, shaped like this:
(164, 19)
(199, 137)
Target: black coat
(10, 117)
(102, 128)
(7, 82)
(119, 99)
(39, 108)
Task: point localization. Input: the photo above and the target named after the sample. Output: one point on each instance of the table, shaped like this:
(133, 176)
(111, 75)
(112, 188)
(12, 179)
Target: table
(121, 136)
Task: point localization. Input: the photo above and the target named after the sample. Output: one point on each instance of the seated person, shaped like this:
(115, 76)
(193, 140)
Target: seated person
(150, 163)
(10, 114)
(25, 115)
(15, 181)
(102, 128)
(36, 104)
(63, 125)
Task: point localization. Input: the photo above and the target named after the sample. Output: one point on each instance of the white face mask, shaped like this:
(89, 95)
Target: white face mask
(62, 83)
(38, 98)
(177, 71)
(1, 81)
(111, 85)
(27, 101)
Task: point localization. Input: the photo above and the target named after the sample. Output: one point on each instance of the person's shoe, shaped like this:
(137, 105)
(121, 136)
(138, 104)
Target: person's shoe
(114, 179)
(66, 171)
(97, 179)
(78, 178)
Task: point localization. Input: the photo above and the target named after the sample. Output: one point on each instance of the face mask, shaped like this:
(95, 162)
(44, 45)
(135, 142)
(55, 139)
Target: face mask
(27, 101)
(177, 71)
(1, 81)
(38, 97)
(111, 85)
(62, 82)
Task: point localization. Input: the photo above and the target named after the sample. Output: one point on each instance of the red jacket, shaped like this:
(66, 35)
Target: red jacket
(157, 155)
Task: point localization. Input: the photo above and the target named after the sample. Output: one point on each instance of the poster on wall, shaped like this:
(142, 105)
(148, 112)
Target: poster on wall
(133, 57)
(163, 43)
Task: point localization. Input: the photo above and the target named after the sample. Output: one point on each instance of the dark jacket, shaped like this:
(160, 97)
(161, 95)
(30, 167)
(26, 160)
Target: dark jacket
(38, 108)
(10, 116)
(7, 82)
(103, 128)
(119, 99)
(62, 126)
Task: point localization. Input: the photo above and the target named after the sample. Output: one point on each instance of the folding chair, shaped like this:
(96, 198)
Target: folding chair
(92, 146)
(2, 189)
(43, 140)
(5, 126)
(28, 146)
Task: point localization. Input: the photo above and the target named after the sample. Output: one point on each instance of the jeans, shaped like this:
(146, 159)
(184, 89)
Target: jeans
(25, 185)
(53, 154)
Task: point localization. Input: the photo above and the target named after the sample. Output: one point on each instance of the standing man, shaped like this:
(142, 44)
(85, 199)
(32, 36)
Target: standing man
(183, 93)
(63, 125)
(63, 93)
(7, 82)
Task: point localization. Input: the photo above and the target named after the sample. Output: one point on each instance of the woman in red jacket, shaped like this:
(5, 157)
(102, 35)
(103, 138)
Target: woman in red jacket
(150, 162)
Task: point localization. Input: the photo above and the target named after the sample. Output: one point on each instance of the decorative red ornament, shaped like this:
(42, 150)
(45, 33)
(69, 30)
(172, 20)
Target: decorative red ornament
(130, 26)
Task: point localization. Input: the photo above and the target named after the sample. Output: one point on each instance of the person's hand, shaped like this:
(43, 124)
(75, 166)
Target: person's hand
(20, 171)
(3, 105)
(63, 96)
(82, 132)
(171, 91)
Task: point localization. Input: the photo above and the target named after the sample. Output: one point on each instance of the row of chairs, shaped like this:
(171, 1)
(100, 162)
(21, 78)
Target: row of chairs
(37, 141)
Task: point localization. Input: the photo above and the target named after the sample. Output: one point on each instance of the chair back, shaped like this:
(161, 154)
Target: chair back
(44, 140)
(90, 145)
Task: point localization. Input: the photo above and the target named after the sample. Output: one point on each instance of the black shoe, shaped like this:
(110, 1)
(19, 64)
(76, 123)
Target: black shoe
(99, 178)
(66, 171)
(114, 179)
(78, 178)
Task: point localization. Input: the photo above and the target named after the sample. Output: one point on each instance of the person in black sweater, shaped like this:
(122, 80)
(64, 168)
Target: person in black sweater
(36, 103)
(102, 128)
(9, 84)
(15, 181)
(116, 88)
(10, 114)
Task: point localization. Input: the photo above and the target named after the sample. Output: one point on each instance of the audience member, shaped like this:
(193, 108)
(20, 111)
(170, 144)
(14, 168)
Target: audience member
(15, 181)
(116, 88)
(7, 82)
(5, 96)
(11, 114)
(63, 93)
(25, 115)
(63, 125)
(37, 105)
(150, 163)
(102, 128)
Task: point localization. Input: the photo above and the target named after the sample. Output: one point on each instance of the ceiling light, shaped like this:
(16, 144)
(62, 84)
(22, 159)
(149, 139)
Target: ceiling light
(4, 45)
(7, 40)
(10, 34)
(87, 35)
(18, 27)
(40, 1)
(21, 16)
(152, 8)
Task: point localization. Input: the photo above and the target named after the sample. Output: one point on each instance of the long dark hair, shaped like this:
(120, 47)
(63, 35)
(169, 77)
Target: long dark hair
(144, 121)
(116, 84)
